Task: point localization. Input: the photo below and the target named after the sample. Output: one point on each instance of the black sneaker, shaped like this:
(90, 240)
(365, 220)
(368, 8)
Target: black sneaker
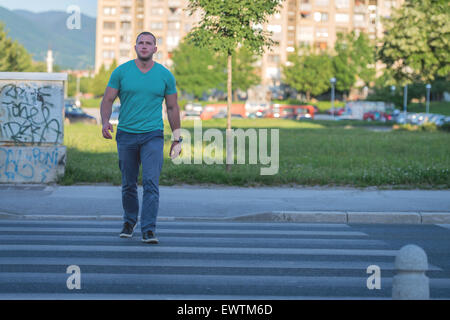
(127, 230)
(149, 237)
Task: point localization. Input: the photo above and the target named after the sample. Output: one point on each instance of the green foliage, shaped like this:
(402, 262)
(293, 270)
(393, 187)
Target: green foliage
(416, 45)
(101, 79)
(196, 69)
(226, 24)
(308, 72)
(13, 56)
(354, 59)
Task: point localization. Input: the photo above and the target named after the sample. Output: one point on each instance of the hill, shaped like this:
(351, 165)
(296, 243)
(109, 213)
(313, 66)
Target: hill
(37, 32)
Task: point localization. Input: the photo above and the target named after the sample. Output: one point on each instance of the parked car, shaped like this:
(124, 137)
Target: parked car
(222, 115)
(191, 115)
(114, 119)
(377, 116)
(336, 111)
(72, 114)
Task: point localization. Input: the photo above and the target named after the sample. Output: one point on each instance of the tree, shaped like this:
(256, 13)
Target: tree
(227, 24)
(101, 79)
(416, 44)
(196, 69)
(13, 56)
(244, 71)
(308, 72)
(354, 59)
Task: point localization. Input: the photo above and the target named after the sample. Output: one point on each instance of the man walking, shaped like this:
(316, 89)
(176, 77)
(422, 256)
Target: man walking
(142, 85)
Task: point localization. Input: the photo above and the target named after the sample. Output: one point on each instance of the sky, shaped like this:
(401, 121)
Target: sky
(88, 7)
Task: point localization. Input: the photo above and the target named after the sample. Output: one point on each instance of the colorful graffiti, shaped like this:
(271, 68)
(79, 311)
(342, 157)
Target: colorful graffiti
(27, 164)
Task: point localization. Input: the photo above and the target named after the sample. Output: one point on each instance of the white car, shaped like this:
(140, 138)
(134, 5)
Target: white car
(114, 120)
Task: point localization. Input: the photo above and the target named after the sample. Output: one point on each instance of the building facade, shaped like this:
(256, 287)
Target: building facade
(299, 22)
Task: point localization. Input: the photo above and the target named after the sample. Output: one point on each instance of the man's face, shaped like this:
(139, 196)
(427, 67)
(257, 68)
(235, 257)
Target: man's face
(145, 47)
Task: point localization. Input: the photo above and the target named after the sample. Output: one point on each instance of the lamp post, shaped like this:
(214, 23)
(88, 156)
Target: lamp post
(393, 93)
(428, 86)
(405, 99)
(332, 81)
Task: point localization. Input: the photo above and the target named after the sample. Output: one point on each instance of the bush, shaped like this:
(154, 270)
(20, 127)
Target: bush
(445, 127)
(426, 127)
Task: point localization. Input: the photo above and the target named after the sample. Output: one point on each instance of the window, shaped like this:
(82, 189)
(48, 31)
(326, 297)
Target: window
(126, 10)
(342, 4)
(109, 39)
(173, 25)
(157, 11)
(358, 17)
(273, 58)
(320, 16)
(321, 45)
(306, 34)
(342, 17)
(322, 32)
(173, 40)
(108, 25)
(125, 25)
(109, 11)
(156, 26)
(159, 41)
(124, 53)
(322, 3)
(108, 54)
(125, 38)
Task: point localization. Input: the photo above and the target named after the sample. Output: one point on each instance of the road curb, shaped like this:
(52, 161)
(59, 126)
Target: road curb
(347, 217)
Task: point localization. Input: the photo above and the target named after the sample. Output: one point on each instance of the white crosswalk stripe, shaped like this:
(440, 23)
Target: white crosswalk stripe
(194, 260)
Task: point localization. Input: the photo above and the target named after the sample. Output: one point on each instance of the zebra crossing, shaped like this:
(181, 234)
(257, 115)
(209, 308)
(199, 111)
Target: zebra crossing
(194, 260)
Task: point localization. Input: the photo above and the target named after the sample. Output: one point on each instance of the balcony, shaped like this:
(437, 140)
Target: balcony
(305, 7)
(359, 9)
(126, 3)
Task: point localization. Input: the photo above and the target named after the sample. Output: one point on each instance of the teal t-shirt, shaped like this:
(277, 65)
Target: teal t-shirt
(141, 96)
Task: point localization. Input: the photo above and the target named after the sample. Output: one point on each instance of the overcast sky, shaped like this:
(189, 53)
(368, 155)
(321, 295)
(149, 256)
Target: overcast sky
(88, 7)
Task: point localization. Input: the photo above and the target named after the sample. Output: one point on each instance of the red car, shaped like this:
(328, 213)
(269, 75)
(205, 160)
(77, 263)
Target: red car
(377, 116)
(336, 111)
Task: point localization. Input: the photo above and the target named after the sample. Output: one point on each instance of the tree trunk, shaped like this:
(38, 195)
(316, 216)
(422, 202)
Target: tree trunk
(308, 96)
(229, 102)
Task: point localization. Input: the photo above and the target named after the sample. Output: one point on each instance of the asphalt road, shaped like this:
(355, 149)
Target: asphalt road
(211, 260)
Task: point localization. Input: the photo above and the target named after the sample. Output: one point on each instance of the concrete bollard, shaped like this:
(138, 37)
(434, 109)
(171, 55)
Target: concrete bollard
(410, 282)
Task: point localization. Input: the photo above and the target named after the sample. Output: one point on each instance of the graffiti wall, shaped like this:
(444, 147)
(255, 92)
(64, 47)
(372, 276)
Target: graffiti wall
(31, 127)
(31, 164)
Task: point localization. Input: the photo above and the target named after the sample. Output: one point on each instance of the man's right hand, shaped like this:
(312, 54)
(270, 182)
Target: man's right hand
(107, 127)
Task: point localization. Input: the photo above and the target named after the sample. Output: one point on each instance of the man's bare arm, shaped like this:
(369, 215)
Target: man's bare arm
(173, 115)
(106, 110)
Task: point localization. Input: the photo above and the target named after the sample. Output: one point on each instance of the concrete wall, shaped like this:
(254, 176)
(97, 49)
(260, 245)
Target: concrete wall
(31, 127)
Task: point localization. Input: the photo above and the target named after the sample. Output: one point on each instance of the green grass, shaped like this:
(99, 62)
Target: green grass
(310, 153)
(91, 103)
(440, 107)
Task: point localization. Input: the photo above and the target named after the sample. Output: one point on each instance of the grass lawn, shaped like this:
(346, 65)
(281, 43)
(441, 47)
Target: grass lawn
(435, 107)
(310, 153)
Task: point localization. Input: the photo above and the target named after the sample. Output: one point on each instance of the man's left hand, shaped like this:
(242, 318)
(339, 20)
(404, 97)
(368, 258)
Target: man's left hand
(175, 149)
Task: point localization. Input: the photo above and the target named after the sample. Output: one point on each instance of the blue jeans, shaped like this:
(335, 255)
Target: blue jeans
(134, 149)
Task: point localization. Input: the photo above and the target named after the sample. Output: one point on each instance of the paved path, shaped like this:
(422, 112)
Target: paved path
(181, 202)
(206, 260)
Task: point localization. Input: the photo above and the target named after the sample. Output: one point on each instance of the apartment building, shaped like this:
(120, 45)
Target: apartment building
(312, 22)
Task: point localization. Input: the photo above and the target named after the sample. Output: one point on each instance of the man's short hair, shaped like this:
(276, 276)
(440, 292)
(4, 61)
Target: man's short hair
(146, 33)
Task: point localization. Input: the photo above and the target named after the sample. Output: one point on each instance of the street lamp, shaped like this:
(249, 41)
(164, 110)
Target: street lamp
(392, 94)
(405, 98)
(428, 86)
(333, 82)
